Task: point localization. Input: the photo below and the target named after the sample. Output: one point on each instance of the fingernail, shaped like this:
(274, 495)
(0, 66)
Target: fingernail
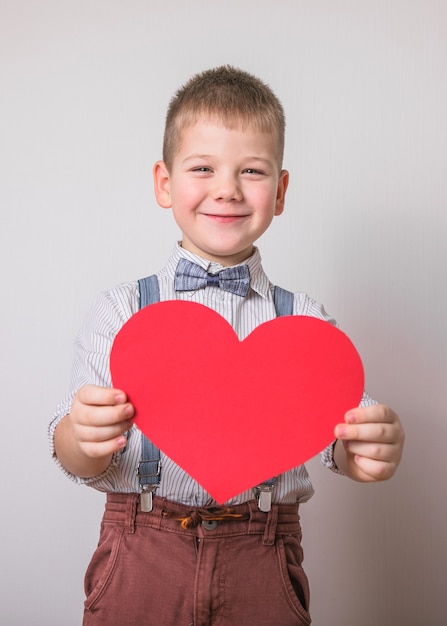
(350, 418)
(340, 431)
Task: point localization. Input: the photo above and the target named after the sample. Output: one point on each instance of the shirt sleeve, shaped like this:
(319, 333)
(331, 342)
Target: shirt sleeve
(327, 456)
(92, 348)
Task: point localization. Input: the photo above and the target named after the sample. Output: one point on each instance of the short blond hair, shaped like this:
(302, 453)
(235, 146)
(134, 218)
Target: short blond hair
(227, 94)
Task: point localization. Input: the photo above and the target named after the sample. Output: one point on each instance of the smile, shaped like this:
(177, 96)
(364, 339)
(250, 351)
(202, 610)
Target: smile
(224, 219)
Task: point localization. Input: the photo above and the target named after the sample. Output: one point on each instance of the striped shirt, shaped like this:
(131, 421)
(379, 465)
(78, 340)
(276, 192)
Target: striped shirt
(93, 344)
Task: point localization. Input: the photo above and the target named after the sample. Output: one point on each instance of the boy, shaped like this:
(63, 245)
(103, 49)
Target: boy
(179, 559)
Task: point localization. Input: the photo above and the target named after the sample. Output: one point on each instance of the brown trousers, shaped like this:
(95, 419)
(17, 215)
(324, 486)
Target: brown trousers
(180, 566)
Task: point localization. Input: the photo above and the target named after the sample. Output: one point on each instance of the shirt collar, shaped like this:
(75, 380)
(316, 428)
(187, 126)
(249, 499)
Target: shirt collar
(258, 278)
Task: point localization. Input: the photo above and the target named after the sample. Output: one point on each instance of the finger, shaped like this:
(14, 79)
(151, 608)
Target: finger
(98, 434)
(377, 413)
(102, 416)
(370, 432)
(102, 449)
(373, 451)
(100, 396)
(374, 470)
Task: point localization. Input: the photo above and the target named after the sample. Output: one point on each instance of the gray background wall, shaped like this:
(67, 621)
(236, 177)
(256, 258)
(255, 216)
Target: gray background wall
(84, 87)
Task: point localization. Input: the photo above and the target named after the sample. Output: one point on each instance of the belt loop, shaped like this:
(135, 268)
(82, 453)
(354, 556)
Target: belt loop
(270, 526)
(131, 513)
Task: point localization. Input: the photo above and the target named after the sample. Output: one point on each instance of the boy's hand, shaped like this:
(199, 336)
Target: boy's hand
(99, 418)
(370, 443)
(93, 431)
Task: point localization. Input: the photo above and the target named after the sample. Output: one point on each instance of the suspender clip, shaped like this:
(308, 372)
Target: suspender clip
(149, 477)
(146, 497)
(264, 495)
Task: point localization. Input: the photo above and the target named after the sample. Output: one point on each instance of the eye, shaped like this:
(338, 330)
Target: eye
(202, 169)
(251, 170)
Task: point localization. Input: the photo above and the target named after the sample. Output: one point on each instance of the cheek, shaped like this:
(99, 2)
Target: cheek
(265, 202)
(188, 196)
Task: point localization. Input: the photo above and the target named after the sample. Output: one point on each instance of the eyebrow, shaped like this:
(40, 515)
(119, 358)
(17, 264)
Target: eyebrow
(210, 156)
(196, 156)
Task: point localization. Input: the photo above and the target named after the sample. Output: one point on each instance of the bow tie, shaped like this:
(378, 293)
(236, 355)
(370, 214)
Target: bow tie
(189, 277)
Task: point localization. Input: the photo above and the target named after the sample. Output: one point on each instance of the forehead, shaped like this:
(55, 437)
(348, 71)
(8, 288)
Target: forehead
(230, 121)
(215, 134)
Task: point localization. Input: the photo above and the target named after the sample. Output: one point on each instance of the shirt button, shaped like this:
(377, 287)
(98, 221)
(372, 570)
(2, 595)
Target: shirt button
(209, 525)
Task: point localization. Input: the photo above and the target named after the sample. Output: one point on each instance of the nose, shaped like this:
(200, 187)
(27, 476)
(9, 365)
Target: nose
(227, 187)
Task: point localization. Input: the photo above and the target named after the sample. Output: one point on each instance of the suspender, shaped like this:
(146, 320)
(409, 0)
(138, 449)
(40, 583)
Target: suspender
(149, 468)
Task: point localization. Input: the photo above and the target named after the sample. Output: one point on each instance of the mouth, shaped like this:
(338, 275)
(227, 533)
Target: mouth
(224, 218)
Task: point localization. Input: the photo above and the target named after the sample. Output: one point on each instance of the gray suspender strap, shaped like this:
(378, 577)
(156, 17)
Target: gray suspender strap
(283, 301)
(149, 466)
(149, 291)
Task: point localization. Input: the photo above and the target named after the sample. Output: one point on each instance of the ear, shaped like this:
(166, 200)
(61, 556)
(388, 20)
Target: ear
(161, 184)
(283, 183)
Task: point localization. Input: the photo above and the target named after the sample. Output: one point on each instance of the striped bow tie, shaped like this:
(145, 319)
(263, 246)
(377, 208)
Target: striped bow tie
(189, 277)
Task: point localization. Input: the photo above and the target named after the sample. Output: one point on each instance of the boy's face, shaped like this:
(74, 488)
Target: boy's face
(224, 188)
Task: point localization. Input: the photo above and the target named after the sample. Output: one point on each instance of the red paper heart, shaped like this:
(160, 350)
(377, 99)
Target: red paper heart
(234, 413)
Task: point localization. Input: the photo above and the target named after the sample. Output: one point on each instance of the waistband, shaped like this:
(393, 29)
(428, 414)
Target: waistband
(124, 509)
